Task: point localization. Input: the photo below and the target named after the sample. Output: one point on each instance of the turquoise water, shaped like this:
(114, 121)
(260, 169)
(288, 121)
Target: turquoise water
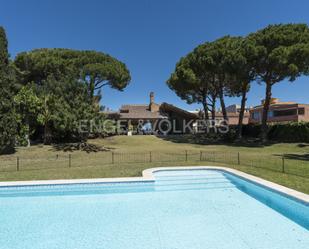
(195, 209)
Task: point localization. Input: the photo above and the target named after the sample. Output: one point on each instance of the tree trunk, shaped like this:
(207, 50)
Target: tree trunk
(213, 108)
(242, 109)
(265, 112)
(91, 88)
(205, 107)
(206, 114)
(47, 135)
(222, 103)
(27, 135)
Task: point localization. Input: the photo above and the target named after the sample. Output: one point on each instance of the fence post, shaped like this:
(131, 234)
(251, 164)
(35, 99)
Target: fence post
(186, 155)
(69, 160)
(112, 157)
(17, 163)
(150, 157)
(238, 158)
(201, 155)
(283, 166)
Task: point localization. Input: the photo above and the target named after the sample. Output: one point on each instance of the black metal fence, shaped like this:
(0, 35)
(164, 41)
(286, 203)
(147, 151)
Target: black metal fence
(283, 164)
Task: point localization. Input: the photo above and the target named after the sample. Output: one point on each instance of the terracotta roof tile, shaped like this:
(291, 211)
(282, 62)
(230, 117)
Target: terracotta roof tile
(139, 112)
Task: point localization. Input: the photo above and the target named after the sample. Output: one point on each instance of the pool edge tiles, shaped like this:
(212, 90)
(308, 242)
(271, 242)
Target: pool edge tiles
(279, 189)
(75, 181)
(75, 187)
(148, 177)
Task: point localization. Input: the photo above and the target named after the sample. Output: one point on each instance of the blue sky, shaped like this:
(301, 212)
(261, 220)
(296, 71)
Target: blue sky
(149, 36)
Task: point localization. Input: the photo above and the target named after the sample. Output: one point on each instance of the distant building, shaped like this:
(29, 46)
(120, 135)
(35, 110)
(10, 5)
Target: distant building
(235, 109)
(146, 117)
(280, 112)
(233, 117)
(232, 114)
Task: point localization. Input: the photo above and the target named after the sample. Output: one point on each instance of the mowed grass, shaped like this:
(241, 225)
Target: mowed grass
(129, 156)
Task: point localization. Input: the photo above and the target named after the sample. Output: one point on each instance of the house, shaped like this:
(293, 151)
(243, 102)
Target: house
(153, 118)
(280, 112)
(232, 115)
(236, 109)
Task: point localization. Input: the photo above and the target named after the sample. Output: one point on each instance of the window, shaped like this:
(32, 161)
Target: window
(301, 111)
(270, 114)
(256, 115)
(289, 112)
(124, 111)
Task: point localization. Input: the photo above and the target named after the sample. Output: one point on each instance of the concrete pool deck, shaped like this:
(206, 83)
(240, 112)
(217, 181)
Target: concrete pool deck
(148, 176)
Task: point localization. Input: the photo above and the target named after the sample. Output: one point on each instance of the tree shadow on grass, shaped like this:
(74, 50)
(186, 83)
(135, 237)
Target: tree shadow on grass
(206, 139)
(302, 157)
(296, 156)
(303, 145)
(87, 147)
(7, 151)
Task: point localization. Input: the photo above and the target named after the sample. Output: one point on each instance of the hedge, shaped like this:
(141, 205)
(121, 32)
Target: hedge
(281, 132)
(289, 132)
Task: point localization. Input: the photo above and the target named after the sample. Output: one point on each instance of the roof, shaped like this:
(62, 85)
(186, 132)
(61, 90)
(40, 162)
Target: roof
(111, 114)
(139, 112)
(278, 104)
(142, 111)
(170, 107)
(231, 114)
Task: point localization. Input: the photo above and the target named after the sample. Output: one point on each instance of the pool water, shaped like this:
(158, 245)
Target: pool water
(194, 209)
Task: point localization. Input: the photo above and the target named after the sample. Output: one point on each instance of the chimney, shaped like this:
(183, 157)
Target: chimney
(151, 97)
(153, 107)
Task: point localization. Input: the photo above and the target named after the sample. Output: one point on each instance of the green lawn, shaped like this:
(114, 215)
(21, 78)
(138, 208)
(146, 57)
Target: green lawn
(128, 156)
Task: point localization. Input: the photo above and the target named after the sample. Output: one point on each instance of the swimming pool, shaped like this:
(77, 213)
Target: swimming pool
(181, 209)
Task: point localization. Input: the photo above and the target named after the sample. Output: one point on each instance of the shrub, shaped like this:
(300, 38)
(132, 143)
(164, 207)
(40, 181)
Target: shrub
(289, 132)
(251, 130)
(281, 132)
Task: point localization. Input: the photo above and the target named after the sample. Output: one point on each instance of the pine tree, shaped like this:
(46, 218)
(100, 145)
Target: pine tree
(7, 116)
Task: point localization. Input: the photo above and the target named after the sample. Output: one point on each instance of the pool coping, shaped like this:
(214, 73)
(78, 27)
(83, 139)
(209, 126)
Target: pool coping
(259, 181)
(148, 176)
